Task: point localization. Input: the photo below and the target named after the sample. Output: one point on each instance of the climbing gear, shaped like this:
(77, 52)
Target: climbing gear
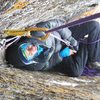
(26, 32)
(76, 22)
(5, 43)
(65, 42)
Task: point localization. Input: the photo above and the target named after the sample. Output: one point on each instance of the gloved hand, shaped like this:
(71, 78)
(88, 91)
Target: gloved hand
(65, 52)
(74, 43)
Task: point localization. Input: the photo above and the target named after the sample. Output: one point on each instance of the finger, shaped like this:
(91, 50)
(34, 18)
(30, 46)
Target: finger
(74, 51)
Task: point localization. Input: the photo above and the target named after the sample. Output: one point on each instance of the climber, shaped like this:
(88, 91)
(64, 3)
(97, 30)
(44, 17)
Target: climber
(52, 55)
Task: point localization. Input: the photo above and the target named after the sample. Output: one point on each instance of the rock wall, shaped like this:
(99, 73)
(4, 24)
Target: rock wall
(24, 13)
(16, 84)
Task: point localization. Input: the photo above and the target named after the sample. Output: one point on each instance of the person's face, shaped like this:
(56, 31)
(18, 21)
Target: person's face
(31, 50)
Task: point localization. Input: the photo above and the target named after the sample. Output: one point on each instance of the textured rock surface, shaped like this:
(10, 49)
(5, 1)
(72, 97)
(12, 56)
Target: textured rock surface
(17, 84)
(23, 85)
(28, 12)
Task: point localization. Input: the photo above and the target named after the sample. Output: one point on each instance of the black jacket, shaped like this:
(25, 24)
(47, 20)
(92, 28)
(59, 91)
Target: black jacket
(50, 57)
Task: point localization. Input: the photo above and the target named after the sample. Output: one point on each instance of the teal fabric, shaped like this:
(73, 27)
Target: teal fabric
(65, 52)
(23, 49)
(40, 50)
(29, 58)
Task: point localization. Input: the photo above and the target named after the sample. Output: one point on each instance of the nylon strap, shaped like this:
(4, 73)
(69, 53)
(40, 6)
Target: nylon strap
(77, 22)
(26, 32)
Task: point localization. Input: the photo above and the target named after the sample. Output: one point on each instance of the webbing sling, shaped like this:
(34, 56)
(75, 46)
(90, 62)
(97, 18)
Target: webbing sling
(26, 32)
(74, 23)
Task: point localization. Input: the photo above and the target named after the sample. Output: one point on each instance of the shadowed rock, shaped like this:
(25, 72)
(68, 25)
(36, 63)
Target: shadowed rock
(25, 85)
(16, 84)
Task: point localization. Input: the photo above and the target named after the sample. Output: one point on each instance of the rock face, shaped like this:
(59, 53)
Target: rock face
(16, 84)
(23, 85)
(25, 13)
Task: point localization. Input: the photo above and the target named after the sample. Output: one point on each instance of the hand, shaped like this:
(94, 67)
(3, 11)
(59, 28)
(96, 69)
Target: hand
(72, 52)
(74, 43)
(66, 52)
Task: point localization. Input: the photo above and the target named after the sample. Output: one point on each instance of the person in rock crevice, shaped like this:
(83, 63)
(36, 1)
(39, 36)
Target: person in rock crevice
(53, 55)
